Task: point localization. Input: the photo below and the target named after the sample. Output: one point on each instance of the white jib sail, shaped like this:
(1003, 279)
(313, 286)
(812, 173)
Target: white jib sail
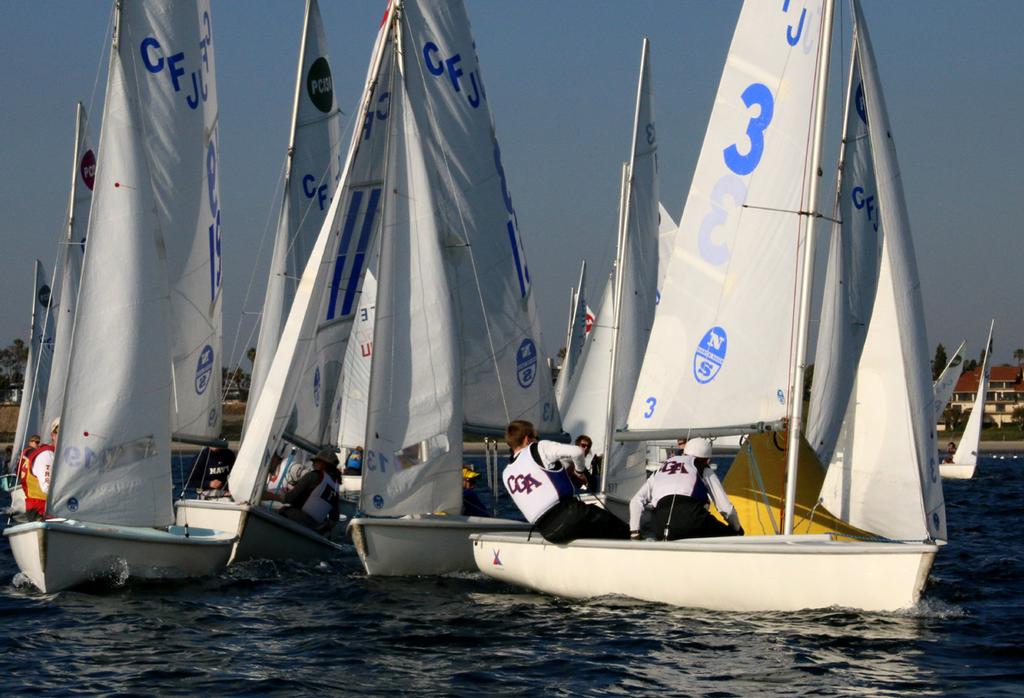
(413, 457)
(575, 337)
(884, 474)
(945, 384)
(311, 173)
(114, 447)
(719, 352)
(504, 374)
(967, 449)
(328, 293)
(352, 403)
(37, 369)
(69, 263)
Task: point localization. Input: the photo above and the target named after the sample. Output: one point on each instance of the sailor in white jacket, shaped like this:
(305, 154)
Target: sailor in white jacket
(680, 491)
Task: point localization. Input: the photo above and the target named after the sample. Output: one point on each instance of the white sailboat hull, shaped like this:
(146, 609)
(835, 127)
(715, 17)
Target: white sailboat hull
(957, 472)
(425, 545)
(262, 534)
(757, 573)
(59, 554)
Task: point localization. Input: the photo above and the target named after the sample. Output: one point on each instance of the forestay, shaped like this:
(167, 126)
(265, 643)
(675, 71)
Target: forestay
(413, 456)
(967, 449)
(69, 263)
(504, 374)
(37, 370)
(884, 476)
(719, 352)
(115, 436)
(311, 174)
(328, 293)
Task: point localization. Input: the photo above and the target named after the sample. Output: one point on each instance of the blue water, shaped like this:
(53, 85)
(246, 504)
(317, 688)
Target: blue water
(265, 628)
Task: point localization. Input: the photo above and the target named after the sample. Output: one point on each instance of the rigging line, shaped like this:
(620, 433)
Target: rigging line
(809, 214)
(469, 244)
(104, 47)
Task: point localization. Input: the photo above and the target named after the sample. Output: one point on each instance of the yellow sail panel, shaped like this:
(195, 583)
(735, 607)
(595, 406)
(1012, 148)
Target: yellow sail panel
(756, 482)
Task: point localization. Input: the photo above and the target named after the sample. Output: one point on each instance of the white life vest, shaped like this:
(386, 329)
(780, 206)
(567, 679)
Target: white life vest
(678, 475)
(321, 500)
(535, 489)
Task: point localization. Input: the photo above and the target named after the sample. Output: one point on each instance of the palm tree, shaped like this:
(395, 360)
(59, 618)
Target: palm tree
(1019, 355)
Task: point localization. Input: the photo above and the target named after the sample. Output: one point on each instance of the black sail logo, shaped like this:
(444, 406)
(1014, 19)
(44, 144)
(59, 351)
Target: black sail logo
(319, 85)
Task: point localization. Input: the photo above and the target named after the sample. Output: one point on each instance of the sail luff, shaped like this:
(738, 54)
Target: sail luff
(798, 366)
(967, 449)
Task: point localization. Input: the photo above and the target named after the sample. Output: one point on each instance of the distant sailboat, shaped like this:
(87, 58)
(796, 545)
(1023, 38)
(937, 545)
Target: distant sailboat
(109, 502)
(945, 384)
(965, 460)
(575, 335)
(37, 368)
(729, 297)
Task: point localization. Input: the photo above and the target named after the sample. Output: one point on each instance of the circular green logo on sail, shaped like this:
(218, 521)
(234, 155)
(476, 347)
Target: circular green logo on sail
(320, 86)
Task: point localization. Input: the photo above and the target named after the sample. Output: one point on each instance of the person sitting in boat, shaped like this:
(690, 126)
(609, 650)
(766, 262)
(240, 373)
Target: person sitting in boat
(34, 473)
(680, 491)
(313, 502)
(284, 472)
(210, 470)
(543, 490)
(354, 464)
(34, 442)
(589, 477)
(472, 505)
(950, 452)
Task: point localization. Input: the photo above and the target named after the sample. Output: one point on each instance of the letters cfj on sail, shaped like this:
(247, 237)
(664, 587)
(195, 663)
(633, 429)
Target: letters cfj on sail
(154, 202)
(504, 373)
(945, 384)
(311, 174)
(967, 449)
(40, 355)
(69, 263)
(606, 378)
(726, 313)
(883, 476)
(328, 294)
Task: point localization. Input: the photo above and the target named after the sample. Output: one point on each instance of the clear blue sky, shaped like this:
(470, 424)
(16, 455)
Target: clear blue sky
(561, 79)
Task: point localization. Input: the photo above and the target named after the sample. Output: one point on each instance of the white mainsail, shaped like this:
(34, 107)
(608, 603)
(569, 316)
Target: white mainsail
(115, 436)
(945, 384)
(328, 293)
(69, 263)
(311, 173)
(352, 403)
(884, 474)
(504, 375)
(413, 456)
(967, 449)
(727, 305)
(37, 369)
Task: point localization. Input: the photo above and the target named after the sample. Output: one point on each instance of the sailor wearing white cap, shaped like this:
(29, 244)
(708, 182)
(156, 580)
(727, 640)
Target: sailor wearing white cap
(680, 491)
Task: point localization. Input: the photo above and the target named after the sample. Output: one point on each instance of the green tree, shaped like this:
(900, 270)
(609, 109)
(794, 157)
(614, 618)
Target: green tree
(1018, 416)
(251, 355)
(939, 362)
(1018, 354)
(12, 364)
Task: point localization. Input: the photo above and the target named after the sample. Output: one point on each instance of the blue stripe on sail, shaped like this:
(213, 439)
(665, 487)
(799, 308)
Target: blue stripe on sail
(515, 256)
(364, 239)
(346, 239)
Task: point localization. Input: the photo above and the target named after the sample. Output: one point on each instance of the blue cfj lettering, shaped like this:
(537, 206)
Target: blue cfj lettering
(150, 43)
(176, 70)
(759, 95)
(731, 187)
(791, 38)
(437, 67)
(310, 189)
(385, 101)
(206, 41)
(650, 133)
(199, 90)
(866, 202)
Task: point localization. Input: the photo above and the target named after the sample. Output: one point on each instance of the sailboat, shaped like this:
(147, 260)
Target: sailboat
(455, 347)
(600, 397)
(945, 384)
(965, 460)
(729, 296)
(40, 355)
(575, 335)
(311, 175)
(109, 503)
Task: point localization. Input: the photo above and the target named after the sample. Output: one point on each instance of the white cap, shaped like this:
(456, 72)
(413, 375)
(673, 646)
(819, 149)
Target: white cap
(698, 448)
(55, 425)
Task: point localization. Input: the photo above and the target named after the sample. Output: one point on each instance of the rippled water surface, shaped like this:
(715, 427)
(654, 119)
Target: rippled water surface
(264, 628)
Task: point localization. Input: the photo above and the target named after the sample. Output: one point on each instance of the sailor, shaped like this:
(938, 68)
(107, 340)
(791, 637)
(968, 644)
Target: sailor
(313, 502)
(210, 471)
(542, 489)
(679, 491)
(589, 477)
(34, 474)
(472, 505)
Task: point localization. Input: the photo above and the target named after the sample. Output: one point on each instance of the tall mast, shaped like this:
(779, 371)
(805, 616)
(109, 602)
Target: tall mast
(798, 368)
